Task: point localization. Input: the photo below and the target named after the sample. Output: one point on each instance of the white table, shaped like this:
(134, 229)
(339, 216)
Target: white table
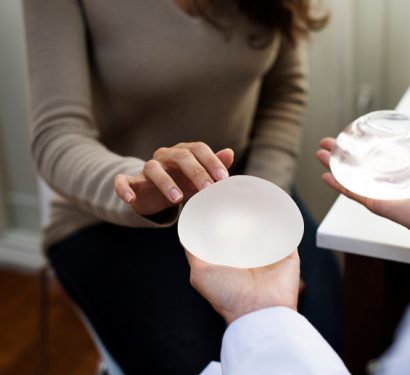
(350, 227)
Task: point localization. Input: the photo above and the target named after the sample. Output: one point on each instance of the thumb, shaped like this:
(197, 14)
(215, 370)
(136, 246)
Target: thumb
(226, 156)
(123, 187)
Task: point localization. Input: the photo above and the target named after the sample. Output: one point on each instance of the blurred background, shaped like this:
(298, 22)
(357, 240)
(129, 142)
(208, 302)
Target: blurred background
(359, 63)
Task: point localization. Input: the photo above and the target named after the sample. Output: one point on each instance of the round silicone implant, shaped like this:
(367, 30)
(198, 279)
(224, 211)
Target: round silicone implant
(241, 221)
(372, 156)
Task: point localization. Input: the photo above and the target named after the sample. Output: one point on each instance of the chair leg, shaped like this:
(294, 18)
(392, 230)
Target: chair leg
(43, 301)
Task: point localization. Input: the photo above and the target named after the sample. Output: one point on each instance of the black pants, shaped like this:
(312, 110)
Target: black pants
(133, 286)
(321, 301)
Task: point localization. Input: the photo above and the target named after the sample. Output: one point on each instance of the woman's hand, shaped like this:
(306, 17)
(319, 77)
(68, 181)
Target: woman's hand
(396, 210)
(234, 292)
(172, 176)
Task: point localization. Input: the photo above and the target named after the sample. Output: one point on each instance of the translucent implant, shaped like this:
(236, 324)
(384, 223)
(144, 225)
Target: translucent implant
(372, 156)
(242, 222)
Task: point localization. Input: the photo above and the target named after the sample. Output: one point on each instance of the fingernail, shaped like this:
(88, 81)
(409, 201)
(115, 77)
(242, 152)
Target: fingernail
(175, 195)
(128, 197)
(206, 184)
(221, 174)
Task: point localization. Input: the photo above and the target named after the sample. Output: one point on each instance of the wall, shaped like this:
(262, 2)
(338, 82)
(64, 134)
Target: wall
(17, 171)
(19, 218)
(331, 101)
(398, 50)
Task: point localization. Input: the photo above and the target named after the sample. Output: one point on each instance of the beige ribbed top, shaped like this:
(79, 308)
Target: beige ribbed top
(113, 81)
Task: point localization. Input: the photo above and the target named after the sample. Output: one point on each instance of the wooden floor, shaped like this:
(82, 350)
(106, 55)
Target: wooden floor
(68, 346)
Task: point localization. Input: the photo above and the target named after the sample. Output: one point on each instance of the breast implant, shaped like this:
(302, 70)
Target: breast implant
(372, 156)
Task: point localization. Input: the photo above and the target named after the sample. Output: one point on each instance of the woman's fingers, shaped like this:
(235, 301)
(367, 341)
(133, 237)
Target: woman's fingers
(187, 164)
(123, 189)
(207, 159)
(153, 172)
(163, 181)
(226, 156)
(150, 191)
(196, 161)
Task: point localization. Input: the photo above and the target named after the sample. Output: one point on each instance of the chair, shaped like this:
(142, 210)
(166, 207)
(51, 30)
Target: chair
(107, 365)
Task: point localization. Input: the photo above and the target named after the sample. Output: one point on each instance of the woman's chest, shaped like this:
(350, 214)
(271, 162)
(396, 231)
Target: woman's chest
(153, 47)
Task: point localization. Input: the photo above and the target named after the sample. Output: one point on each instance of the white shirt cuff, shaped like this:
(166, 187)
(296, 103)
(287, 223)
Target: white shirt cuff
(277, 340)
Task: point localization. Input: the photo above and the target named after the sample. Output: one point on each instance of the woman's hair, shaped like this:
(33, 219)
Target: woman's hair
(292, 18)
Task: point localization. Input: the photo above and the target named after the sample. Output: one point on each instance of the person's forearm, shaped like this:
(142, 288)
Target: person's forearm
(64, 136)
(274, 165)
(276, 137)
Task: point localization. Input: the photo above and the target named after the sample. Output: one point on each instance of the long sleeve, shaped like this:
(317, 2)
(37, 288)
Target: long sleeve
(276, 341)
(64, 136)
(396, 360)
(276, 136)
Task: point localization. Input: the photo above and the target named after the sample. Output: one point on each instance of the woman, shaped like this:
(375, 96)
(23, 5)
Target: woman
(121, 95)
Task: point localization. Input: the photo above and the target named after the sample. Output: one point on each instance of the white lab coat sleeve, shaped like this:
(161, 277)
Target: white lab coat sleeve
(276, 340)
(396, 360)
(213, 368)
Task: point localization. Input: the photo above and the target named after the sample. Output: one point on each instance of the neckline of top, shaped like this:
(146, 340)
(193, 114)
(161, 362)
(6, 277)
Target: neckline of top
(181, 13)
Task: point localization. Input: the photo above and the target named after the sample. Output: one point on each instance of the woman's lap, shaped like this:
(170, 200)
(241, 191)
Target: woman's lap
(133, 286)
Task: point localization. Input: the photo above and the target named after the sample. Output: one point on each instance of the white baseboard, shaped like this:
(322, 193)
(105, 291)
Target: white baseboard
(21, 249)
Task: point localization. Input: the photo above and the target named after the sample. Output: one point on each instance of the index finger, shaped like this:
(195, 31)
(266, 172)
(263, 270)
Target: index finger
(208, 159)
